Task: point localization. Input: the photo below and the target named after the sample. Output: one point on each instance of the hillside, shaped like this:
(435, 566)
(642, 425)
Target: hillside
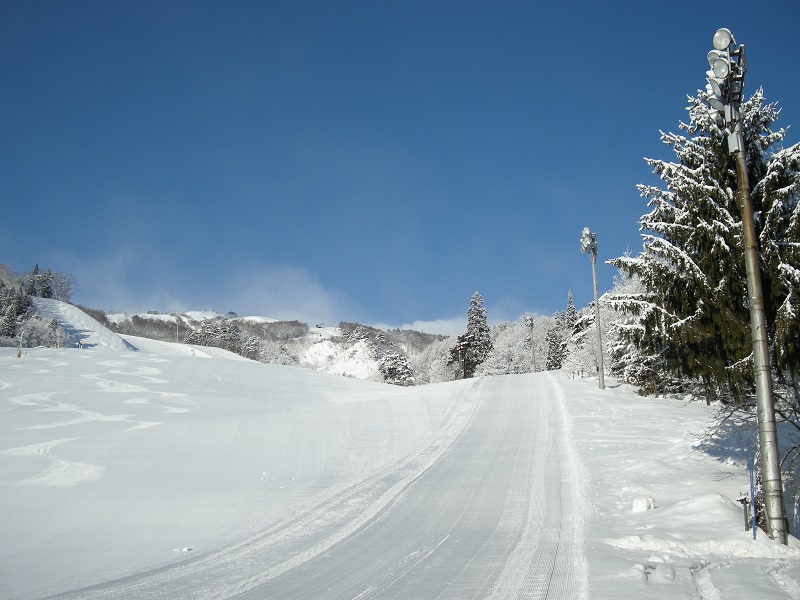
(80, 328)
(348, 349)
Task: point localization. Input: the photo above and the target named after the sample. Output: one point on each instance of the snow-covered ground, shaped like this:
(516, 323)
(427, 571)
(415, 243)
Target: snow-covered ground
(134, 468)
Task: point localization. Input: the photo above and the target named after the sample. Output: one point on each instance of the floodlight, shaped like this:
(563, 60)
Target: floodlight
(715, 86)
(722, 39)
(715, 55)
(586, 240)
(721, 68)
(716, 103)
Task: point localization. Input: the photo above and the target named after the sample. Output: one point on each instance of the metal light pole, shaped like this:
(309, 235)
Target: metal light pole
(529, 322)
(726, 81)
(589, 244)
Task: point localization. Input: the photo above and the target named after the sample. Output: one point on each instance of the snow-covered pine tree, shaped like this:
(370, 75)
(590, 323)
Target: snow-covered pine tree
(568, 321)
(474, 345)
(396, 369)
(778, 195)
(694, 310)
(15, 306)
(571, 315)
(555, 344)
(633, 356)
(32, 287)
(559, 333)
(250, 347)
(46, 284)
(217, 333)
(580, 349)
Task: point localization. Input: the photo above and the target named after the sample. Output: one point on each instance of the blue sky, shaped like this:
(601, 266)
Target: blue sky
(371, 161)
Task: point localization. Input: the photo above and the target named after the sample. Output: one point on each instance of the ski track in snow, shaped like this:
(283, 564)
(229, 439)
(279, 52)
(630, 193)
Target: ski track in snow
(60, 473)
(63, 473)
(340, 510)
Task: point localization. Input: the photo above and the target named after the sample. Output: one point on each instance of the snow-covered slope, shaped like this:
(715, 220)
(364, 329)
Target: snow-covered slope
(81, 329)
(351, 361)
(119, 469)
(318, 351)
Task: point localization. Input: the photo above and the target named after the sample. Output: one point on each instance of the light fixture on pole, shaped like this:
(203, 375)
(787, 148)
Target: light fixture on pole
(725, 85)
(530, 323)
(589, 244)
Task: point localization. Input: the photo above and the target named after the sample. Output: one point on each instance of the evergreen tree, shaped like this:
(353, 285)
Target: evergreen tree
(217, 333)
(634, 356)
(473, 346)
(32, 289)
(8, 325)
(250, 347)
(559, 334)
(694, 309)
(16, 308)
(568, 320)
(580, 350)
(778, 193)
(571, 315)
(555, 345)
(46, 284)
(396, 369)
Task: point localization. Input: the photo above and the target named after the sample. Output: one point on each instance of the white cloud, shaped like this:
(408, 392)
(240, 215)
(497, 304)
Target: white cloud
(285, 292)
(126, 281)
(452, 326)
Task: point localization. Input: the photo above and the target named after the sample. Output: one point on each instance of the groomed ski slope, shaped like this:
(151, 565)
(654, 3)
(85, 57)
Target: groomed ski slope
(154, 473)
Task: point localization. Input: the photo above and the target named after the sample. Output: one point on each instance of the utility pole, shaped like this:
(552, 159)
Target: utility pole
(529, 323)
(589, 244)
(726, 82)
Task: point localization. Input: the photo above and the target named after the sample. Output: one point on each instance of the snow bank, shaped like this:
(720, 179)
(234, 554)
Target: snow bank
(661, 511)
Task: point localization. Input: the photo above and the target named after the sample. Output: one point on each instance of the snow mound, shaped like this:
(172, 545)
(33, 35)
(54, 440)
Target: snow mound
(82, 330)
(643, 504)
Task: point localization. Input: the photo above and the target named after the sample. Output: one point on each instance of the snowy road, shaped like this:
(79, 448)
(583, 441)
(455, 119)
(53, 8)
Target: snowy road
(487, 515)
(487, 518)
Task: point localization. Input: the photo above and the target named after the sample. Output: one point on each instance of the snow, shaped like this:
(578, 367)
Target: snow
(320, 331)
(79, 327)
(664, 512)
(202, 315)
(353, 361)
(178, 471)
(259, 320)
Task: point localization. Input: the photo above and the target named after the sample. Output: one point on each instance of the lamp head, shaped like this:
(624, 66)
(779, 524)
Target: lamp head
(586, 239)
(721, 68)
(722, 39)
